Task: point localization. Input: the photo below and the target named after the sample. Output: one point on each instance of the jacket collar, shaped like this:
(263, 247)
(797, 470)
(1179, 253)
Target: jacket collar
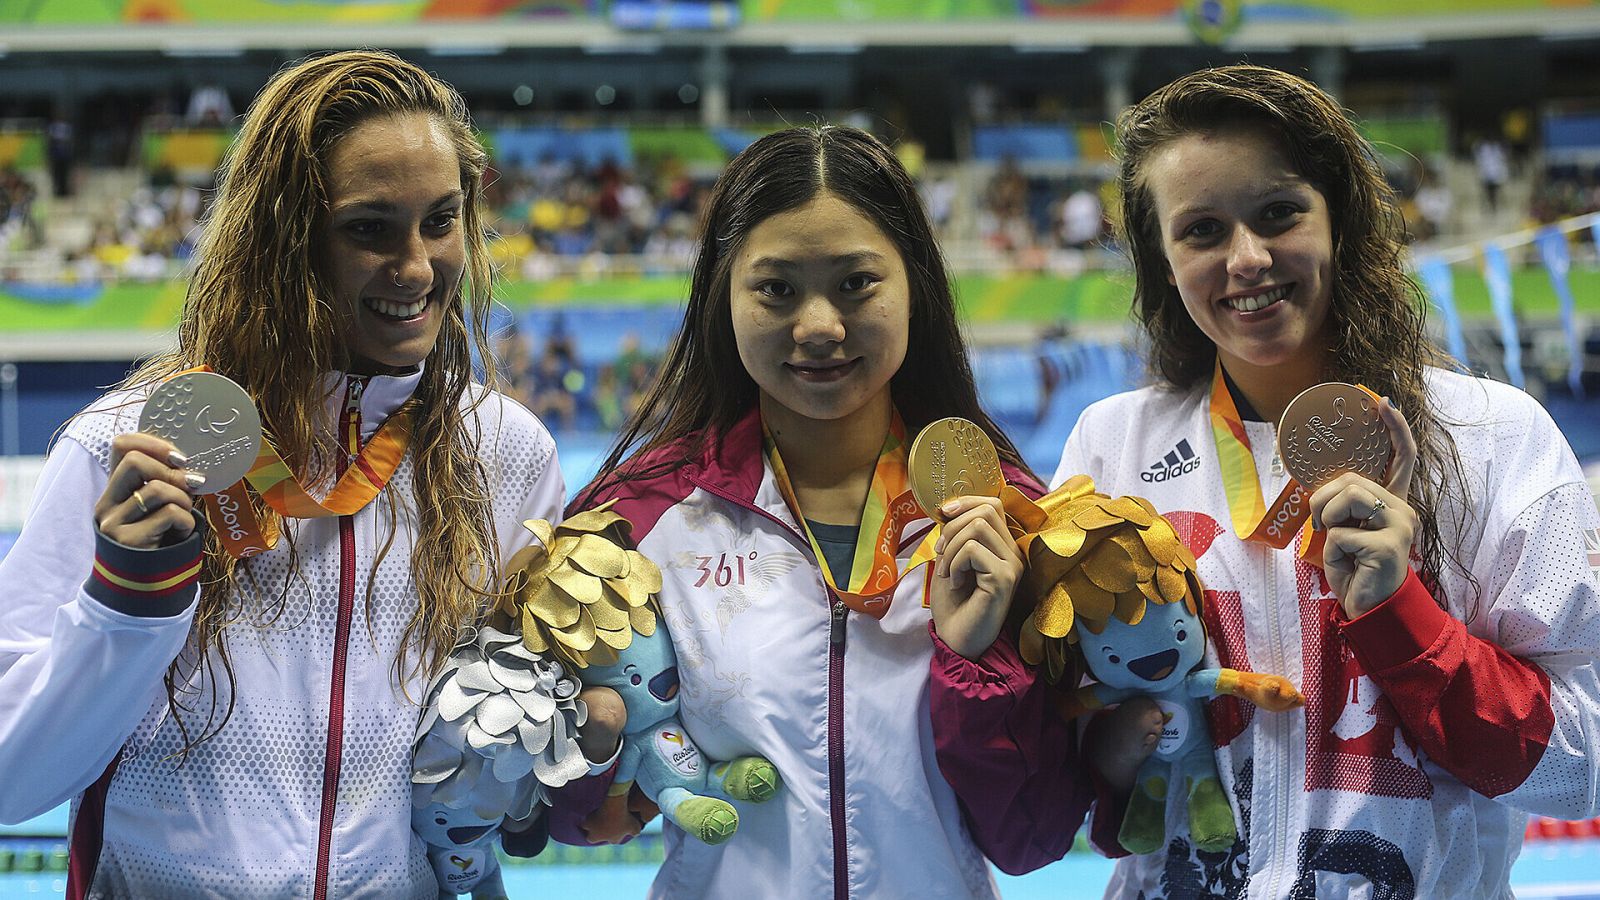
(381, 395)
(734, 466)
(733, 463)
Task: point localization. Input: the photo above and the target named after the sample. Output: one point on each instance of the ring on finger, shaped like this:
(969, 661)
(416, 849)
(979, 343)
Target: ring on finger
(1378, 506)
(138, 498)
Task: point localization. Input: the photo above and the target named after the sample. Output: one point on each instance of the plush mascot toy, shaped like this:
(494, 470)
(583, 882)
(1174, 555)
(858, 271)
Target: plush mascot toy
(499, 727)
(588, 601)
(1120, 597)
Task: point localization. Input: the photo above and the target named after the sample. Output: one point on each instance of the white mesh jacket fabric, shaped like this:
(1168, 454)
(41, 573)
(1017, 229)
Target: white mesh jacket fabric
(239, 815)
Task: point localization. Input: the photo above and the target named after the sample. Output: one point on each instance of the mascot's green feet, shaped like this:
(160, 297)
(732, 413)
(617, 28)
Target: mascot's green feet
(707, 818)
(1145, 825)
(1210, 817)
(749, 778)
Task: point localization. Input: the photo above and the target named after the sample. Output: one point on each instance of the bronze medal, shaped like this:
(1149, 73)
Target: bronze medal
(1330, 429)
(952, 458)
(211, 420)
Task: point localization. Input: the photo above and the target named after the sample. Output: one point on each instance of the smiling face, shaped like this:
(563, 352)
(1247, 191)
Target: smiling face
(446, 826)
(1152, 656)
(391, 249)
(1249, 246)
(821, 309)
(646, 676)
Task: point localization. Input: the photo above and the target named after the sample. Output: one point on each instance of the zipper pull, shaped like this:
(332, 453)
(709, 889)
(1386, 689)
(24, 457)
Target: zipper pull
(1277, 461)
(352, 415)
(836, 629)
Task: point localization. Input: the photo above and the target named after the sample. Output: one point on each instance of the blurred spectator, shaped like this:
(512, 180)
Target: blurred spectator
(1082, 218)
(1517, 128)
(939, 194)
(1564, 191)
(209, 107)
(554, 382)
(1494, 170)
(59, 151)
(635, 371)
(912, 154)
(17, 195)
(1434, 203)
(512, 356)
(1003, 221)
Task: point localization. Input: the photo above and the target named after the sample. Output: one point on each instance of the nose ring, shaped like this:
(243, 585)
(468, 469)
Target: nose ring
(397, 282)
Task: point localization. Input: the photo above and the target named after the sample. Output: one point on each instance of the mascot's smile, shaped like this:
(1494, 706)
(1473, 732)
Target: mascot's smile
(1156, 666)
(466, 834)
(664, 687)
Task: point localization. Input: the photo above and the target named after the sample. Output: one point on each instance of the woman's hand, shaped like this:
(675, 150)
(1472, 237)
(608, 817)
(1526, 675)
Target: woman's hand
(619, 818)
(601, 733)
(1370, 527)
(974, 576)
(148, 495)
(1117, 742)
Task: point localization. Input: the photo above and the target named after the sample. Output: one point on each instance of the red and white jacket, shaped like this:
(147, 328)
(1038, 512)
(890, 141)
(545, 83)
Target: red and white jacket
(306, 790)
(1429, 734)
(772, 663)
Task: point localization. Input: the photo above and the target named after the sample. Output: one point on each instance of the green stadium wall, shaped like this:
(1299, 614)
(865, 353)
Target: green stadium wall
(1098, 298)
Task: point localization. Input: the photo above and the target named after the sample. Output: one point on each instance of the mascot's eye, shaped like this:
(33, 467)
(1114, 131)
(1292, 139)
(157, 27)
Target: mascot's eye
(441, 821)
(635, 679)
(1115, 660)
(1183, 635)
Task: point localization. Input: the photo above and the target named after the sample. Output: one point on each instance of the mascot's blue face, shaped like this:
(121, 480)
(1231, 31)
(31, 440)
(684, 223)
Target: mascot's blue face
(646, 676)
(1152, 656)
(447, 826)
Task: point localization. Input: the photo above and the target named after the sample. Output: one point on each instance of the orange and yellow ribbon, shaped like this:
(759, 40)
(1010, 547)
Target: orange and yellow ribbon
(1289, 515)
(890, 506)
(233, 517)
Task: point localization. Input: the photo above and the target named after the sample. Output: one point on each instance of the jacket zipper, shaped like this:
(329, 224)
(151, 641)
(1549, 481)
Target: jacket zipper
(837, 616)
(836, 643)
(333, 756)
(1279, 775)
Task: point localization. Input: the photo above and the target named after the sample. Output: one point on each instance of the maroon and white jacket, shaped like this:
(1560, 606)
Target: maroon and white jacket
(1429, 734)
(772, 664)
(306, 791)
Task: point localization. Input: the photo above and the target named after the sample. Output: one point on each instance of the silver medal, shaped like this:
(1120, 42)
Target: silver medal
(211, 420)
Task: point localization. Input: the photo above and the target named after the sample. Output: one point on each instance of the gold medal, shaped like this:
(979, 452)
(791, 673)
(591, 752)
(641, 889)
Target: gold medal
(952, 458)
(1330, 429)
(211, 420)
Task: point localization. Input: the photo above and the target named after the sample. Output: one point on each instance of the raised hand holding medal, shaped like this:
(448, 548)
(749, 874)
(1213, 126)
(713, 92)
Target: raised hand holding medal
(211, 421)
(952, 458)
(1330, 429)
(198, 433)
(955, 476)
(1356, 452)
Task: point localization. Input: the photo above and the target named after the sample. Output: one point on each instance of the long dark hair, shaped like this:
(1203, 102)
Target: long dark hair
(1378, 315)
(703, 389)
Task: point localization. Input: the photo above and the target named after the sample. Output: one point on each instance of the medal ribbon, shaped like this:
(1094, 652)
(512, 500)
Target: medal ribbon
(1253, 520)
(874, 573)
(234, 519)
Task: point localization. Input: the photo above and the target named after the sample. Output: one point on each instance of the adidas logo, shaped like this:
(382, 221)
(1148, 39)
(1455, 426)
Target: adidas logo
(1179, 460)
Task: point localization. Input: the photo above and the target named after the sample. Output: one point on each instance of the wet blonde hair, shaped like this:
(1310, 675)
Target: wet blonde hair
(259, 311)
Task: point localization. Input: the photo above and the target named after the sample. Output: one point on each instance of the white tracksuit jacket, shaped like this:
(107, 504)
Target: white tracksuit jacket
(771, 663)
(1424, 743)
(306, 790)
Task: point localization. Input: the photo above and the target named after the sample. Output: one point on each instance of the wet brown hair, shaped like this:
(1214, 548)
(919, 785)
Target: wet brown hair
(259, 311)
(1377, 316)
